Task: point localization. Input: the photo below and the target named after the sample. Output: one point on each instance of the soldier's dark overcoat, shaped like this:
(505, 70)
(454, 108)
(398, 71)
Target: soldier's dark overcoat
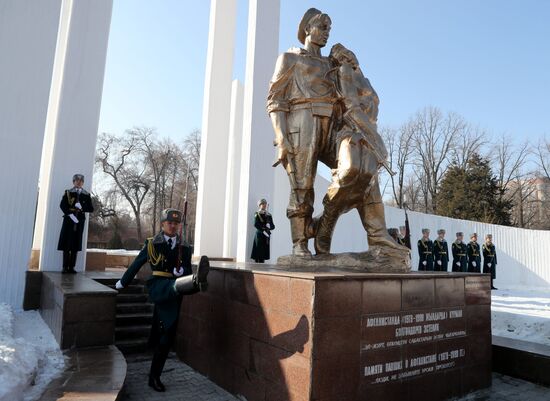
(157, 252)
(460, 254)
(70, 237)
(425, 253)
(263, 222)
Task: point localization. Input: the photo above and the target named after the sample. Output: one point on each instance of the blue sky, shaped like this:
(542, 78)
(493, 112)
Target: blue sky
(487, 60)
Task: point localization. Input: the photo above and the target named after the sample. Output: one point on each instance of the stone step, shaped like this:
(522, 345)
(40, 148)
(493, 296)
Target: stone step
(132, 346)
(132, 332)
(131, 298)
(132, 319)
(134, 307)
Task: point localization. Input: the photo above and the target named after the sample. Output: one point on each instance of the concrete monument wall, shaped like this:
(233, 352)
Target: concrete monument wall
(215, 128)
(28, 34)
(257, 176)
(73, 118)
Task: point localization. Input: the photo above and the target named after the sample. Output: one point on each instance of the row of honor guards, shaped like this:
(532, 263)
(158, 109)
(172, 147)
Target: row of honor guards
(435, 256)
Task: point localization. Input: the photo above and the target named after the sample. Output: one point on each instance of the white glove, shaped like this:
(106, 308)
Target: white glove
(78, 205)
(425, 263)
(268, 225)
(178, 272)
(458, 263)
(73, 218)
(266, 234)
(489, 264)
(474, 264)
(119, 285)
(439, 262)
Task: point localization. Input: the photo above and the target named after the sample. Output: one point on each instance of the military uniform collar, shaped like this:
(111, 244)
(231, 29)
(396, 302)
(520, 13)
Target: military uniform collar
(159, 238)
(74, 191)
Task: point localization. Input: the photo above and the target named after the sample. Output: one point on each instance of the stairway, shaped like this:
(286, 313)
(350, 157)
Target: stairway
(134, 315)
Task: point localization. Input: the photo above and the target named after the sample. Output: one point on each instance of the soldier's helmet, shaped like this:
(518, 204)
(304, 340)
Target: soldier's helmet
(262, 202)
(170, 215)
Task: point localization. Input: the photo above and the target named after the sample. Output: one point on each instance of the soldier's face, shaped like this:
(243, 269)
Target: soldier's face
(460, 238)
(170, 228)
(78, 183)
(319, 31)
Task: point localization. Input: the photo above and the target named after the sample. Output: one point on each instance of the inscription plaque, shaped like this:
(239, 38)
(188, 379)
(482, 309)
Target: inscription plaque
(389, 344)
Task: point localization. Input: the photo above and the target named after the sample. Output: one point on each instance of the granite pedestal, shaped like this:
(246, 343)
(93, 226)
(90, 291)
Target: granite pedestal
(273, 334)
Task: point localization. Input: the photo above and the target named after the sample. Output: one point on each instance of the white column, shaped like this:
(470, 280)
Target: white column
(233, 171)
(215, 128)
(28, 32)
(257, 175)
(73, 118)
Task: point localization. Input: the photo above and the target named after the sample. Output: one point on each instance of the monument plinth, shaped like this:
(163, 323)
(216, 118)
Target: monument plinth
(324, 334)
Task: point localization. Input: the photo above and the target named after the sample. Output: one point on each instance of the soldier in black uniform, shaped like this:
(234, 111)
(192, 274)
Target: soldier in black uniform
(263, 221)
(425, 251)
(441, 252)
(171, 277)
(75, 203)
(394, 233)
(490, 258)
(460, 254)
(474, 258)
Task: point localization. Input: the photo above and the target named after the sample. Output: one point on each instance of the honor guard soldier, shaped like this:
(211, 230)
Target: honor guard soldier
(460, 254)
(171, 277)
(490, 258)
(425, 252)
(441, 252)
(75, 203)
(394, 233)
(263, 221)
(474, 256)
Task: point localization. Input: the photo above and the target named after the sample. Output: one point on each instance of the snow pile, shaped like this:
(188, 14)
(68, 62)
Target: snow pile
(29, 355)
(521, 315)
(119, 252)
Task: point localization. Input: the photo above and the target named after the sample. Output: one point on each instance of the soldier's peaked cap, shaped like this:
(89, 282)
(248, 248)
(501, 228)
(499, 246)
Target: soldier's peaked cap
(425, 230)
(312, 12)
(170, 215)
(78, 177)
(459, 234)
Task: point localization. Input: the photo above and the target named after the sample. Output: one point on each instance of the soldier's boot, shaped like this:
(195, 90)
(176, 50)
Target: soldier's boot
(157, 366)
(298, 228)
(374, 221)
(197, 282)
(325, 230)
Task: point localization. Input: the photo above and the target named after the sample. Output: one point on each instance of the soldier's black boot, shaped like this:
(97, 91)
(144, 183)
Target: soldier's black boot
(66, 262)
(156, 384)
(197, 282)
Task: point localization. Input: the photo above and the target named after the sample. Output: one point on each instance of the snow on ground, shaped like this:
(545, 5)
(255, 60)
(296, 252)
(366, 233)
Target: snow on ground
(121, 252)
(521, 315)
(29, 355)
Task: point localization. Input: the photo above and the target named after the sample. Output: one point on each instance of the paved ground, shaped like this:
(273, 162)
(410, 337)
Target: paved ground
(506, 388)
(184, 384)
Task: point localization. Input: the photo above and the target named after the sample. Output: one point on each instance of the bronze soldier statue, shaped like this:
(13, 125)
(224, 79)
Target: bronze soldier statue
(301, 104)
(324, 109)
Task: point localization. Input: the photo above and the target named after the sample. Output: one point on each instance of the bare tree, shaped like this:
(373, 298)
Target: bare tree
(435, 138)
(542, 154)
(470, 141)
(119, 159)
(509, 161)
(400, 150)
